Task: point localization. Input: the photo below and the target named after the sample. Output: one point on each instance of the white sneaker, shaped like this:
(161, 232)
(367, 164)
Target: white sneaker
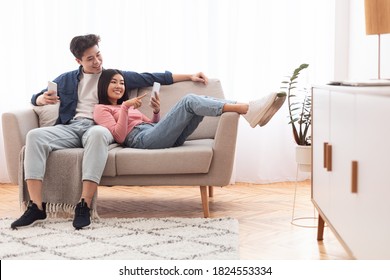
(261, 111)
(279, 100)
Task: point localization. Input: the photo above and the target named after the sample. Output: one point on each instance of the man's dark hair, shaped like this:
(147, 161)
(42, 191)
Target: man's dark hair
(79, 44)
(104, 81)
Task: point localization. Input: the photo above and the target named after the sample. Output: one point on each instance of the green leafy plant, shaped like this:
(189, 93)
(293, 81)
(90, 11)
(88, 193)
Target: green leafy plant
(299, 107)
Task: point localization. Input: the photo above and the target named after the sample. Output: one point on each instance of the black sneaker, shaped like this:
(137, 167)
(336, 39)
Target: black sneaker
(31, 216)
(82, 216)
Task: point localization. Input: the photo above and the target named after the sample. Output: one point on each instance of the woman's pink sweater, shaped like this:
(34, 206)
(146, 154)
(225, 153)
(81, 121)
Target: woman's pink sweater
(120, 119)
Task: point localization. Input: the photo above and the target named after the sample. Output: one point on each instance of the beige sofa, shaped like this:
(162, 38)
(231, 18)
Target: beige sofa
(205, 160)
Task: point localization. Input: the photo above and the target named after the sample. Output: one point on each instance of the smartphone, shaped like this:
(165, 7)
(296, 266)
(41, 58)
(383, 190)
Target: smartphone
(155, 90)
(52, 86)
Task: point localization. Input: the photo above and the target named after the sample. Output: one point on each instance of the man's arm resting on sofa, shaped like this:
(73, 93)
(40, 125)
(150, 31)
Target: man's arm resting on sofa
(198, 77)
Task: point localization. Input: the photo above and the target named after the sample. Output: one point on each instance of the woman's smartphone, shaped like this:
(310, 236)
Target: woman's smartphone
(52, 86)
(155, 90)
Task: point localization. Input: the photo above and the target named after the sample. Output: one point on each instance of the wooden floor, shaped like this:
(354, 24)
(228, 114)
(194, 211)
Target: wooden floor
(264, 213)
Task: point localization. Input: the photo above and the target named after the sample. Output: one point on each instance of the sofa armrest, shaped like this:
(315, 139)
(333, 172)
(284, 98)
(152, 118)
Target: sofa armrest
(225, 147)
(16, 124)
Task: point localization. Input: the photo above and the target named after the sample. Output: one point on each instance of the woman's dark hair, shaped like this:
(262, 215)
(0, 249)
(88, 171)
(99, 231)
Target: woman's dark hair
(104, 81)
(79, 44)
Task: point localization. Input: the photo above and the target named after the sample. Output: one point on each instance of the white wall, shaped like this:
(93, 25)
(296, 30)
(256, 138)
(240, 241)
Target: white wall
(363, 52)
(250, 45)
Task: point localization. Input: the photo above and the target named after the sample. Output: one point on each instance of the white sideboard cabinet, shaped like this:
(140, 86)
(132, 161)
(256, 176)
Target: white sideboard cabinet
(351, 167)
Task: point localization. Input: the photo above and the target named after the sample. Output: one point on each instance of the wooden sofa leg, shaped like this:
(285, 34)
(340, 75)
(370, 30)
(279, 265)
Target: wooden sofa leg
(205, 201)
(211, 191)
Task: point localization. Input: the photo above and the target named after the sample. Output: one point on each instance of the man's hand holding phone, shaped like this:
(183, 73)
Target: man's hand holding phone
(50, 96)
(52, 88)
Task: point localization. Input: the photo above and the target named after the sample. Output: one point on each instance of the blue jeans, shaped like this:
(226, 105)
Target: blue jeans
(175, 127)
(78, 133)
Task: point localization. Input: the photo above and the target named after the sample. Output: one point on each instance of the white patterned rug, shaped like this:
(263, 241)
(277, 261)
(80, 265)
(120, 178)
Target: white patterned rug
(125, 239)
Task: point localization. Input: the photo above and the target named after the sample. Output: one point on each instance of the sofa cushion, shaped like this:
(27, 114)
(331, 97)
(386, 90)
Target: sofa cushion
(193, 157)
(47, 114)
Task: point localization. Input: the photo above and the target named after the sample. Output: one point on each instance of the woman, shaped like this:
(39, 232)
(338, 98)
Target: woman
(133, 129)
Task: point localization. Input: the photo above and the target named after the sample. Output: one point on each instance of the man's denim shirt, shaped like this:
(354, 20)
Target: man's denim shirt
(67, 85)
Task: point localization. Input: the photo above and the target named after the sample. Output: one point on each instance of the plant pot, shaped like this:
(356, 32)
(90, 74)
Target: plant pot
(303, 158)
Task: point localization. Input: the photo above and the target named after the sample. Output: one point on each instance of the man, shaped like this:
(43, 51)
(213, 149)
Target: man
(77, 94)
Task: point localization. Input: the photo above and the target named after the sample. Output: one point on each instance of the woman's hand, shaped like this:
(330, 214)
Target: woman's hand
(155, 103)
(136, 102)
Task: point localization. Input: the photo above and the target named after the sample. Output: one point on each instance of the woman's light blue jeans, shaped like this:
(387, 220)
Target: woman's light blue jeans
(175, 127)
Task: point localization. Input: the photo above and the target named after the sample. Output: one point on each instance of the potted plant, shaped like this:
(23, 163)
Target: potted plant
(299, 107)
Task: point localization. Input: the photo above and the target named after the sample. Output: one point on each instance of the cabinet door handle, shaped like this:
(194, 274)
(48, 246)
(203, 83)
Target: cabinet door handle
(354, 177)
(325, 156)
(329, 157)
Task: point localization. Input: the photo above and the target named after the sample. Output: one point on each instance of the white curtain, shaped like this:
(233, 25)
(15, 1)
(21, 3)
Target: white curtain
(250, 45)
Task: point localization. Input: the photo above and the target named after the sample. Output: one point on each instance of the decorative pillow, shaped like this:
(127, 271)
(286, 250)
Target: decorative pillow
(47, 114)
